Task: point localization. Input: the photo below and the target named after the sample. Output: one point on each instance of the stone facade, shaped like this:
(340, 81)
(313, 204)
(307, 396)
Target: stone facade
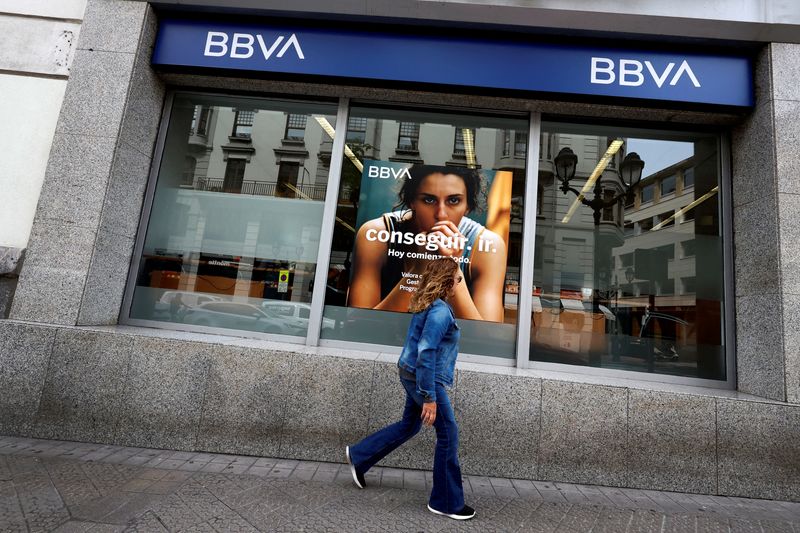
(68, 378)
(177, 391)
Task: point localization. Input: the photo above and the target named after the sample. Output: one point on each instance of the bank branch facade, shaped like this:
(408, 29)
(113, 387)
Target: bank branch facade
(239, 203)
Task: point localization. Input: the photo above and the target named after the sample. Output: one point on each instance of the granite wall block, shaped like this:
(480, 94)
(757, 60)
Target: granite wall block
(24, 356)
(245, 401)
(96, 93)
(584, 433)
(791, 346)
(124, 16)
(327, 407)
(759, 446)
(755, 247)
(785, 59)
(163, 394)
(48, 295)
(672, 442)
(146, 94)
(760, 363)
(498, 417)
(75, 181)
(105, 283)
(81, 400)
(787, 139)
(789, 221)
(122, 206)
(753, 156)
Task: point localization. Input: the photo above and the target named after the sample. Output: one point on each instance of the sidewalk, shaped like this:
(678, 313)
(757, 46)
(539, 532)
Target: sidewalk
(74, 487)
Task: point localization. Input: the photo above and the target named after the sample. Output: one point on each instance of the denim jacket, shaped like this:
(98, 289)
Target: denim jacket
(431, 348)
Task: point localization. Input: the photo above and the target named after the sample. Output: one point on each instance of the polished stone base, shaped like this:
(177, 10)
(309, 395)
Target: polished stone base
(182, 391)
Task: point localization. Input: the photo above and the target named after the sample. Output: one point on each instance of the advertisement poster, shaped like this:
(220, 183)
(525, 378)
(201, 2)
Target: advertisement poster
(409, 214)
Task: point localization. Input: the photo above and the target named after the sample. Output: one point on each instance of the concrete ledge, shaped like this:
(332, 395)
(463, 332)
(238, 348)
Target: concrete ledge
(186, 391)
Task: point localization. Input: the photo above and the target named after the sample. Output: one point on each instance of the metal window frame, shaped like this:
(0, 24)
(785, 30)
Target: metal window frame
(529, 210)
(328, 223)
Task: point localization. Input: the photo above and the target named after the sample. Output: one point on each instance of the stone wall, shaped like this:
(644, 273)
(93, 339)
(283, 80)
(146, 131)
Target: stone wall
(143, 387)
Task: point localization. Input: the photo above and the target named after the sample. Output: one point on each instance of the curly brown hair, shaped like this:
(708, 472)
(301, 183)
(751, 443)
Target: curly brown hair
(437, 280)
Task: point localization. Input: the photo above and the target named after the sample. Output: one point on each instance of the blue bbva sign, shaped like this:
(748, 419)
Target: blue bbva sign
(519, 65)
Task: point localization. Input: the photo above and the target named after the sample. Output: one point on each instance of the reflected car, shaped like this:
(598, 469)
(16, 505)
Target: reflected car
(294, 315)
(174, 304)
(234, 315)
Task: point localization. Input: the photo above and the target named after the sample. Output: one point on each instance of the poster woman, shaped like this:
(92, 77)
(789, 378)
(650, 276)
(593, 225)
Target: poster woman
(391, 251)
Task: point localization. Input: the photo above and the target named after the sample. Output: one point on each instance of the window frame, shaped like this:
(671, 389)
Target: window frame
(414, 138)
(527, 261)
(236, 124)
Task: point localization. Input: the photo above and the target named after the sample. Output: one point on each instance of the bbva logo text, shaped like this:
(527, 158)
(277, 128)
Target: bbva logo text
(386, 173)
(240, 45)
(631, 72)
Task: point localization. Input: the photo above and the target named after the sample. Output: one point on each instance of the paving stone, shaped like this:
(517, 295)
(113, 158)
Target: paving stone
(39, 493)
(645, 521)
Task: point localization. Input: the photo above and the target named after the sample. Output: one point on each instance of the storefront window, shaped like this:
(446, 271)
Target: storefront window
(386, 227)
(649, 300)
(234, 245)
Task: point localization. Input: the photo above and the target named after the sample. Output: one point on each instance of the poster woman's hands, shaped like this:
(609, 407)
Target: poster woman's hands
(449, 239)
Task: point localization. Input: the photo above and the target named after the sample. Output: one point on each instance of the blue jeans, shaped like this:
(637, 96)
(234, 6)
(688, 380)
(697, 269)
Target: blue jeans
(447, 495)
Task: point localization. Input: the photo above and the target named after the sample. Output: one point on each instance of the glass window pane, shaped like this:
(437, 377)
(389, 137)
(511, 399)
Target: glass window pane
(238, 228)
(647, 192)
(638, 292)
(668, 185)
(688, 178)
(387, 202)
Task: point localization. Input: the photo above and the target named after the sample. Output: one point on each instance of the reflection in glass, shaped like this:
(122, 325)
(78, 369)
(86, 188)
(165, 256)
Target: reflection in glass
(642, 290)
(234, 228)
(404, 176)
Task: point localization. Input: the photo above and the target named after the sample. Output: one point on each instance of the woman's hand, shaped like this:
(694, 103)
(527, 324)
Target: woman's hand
(428, 413)
(448, 232)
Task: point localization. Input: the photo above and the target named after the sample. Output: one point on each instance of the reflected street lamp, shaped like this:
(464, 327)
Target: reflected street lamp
(630, 172)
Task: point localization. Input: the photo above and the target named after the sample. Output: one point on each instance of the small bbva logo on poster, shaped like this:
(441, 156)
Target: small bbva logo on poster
(631, 72)
(240, 45)
(388, 172)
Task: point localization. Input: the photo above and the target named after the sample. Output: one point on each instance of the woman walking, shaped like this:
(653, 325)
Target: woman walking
(426, 367)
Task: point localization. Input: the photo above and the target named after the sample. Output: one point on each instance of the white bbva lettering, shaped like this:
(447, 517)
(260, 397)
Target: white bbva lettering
(242, 41)
(385, 173)
(631, 72)
(629, 68)
(268, 51)
(241, 45)
(688, 70)
(218, 40)
(608, 69)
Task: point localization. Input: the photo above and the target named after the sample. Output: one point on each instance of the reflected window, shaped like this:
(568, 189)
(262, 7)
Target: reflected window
(520, 144)
(633, 296)
(464, 141)
(647, 193)
(668, 185)
(357, 130)
(243, 124)
(408, 137)
(296, 127)
(688, 178)
(200, 120)
(243, 233)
